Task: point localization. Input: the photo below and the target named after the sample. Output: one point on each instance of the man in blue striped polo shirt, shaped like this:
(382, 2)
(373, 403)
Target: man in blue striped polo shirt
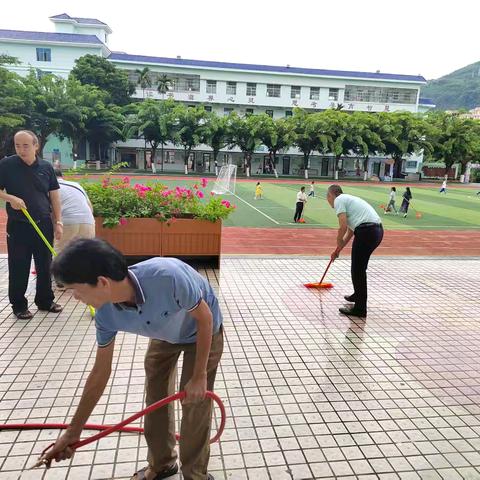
(169, 302)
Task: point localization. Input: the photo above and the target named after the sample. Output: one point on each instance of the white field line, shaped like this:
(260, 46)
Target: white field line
(255, 208)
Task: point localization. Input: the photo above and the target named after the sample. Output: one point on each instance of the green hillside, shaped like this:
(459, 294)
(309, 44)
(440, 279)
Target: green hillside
(459, 89)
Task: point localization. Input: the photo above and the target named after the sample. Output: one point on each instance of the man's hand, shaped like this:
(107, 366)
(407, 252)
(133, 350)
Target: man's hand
(58, 232)
(334, 255)
(196, 388)
(16, 203)
(62, 449)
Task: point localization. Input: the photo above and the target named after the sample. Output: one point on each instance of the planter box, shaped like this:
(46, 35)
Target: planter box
(144, 237)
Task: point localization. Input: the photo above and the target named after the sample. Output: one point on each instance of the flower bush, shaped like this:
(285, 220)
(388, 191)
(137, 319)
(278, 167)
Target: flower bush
(117, 200)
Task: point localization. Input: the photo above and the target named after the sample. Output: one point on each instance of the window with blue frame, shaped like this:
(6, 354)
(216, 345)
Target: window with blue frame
(44, 54)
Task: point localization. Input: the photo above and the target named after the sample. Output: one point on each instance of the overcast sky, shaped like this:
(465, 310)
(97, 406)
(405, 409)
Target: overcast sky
(431, 38)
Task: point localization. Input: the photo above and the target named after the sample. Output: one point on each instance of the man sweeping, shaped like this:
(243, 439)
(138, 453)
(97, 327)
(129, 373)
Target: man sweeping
(169, 302)
(358, 219)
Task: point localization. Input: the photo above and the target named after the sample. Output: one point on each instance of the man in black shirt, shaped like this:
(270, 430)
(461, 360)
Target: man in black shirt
(29, 182)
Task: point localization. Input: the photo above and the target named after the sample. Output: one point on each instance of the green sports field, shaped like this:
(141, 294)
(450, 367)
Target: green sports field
(459, 209)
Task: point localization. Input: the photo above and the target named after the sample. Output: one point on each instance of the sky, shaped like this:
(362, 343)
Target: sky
(426, 37)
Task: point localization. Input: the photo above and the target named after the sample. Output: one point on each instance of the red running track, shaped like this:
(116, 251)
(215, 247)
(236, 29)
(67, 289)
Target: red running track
(316, 241)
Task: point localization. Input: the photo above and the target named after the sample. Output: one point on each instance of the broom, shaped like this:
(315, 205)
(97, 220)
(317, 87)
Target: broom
(46, 242)
(320, 284)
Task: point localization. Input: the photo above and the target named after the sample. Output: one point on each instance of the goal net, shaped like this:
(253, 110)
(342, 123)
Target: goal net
(226, 180)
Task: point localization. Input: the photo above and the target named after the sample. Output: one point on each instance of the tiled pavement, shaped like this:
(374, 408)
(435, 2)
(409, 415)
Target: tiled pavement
(309, 394)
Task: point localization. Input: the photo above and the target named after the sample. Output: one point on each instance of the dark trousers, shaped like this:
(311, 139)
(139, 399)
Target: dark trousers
(366, 240)
(298, 211)
(23, 242)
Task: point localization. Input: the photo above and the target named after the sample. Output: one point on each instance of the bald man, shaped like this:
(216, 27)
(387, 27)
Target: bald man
(357, 219)
(27, 181)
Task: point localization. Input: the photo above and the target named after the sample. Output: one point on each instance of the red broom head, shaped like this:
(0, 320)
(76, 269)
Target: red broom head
(318, 285)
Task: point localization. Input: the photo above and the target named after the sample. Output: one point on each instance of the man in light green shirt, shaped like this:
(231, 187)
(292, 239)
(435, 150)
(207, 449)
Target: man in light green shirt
(357, 219)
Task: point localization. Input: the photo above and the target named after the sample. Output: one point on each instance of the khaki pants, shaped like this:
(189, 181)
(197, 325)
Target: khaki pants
(77, 230)
(161, 369)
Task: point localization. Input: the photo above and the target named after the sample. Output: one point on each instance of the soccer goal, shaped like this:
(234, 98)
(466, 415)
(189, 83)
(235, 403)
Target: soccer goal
(226, 180)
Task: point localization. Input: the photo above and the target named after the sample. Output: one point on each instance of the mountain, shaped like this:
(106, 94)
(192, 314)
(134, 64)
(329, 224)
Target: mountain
(459, 89)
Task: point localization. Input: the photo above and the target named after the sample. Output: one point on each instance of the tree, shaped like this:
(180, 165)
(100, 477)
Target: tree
(12, 108)
(88, 100)
(454, 140)
(104, 126)
(217, 133)
(245, 135)
(49, 106)
(190, 129)
(163, 85)
(144, 79)
(276, 135)
(155, 123)
(305, 136)
(403, 134)
(98, 71)
(365, 137)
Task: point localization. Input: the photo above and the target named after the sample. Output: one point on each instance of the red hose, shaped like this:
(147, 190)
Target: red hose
(119, 427)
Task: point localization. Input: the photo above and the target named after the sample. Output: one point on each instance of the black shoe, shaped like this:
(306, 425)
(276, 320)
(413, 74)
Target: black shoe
(25, 315)
(53, 308)
(350, 298)
(168, 472)
(352, 312)
(210, 477)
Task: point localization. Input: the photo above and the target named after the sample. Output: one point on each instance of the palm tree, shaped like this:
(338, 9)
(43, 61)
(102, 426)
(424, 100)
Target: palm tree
(163, 85)
(144, 79)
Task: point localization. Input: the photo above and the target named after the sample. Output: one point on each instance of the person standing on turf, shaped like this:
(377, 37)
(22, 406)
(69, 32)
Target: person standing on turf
(358, 219)
(311, 193)
(301, 201)
(407, 197)
(258, 191)
(443, 188)
(169, 302)
(391, 202)
(27, 181)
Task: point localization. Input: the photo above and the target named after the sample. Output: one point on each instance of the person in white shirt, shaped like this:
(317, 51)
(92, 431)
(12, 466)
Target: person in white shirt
(311, 193)
(301, 201)
(77, 212)
(391, 202)
(356, 219)
(443, 188)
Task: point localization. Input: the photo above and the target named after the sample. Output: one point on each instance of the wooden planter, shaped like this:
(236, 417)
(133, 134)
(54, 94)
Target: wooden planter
(144, 237)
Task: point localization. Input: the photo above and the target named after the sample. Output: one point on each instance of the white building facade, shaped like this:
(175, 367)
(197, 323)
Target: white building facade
(223, 88)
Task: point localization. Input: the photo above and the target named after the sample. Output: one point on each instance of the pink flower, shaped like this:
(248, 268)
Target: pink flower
(212, 194)
(126, 180)
(167, 193)
(200, 194)
(226, 203)
(204, 182)
(195, 187)
(123, 221)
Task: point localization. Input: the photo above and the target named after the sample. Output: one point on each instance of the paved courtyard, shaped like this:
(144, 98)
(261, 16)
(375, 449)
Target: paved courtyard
(309, 393)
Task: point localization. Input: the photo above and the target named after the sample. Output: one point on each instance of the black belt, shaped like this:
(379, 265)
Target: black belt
(368, 225)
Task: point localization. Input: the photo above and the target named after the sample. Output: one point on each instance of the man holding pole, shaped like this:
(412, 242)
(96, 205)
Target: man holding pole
(28, 182)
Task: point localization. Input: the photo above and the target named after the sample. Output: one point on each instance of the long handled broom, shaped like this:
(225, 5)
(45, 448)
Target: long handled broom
(320, 284)
(47, 243)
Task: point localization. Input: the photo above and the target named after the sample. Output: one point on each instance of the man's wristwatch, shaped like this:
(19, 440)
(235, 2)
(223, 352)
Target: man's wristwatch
(58, 222)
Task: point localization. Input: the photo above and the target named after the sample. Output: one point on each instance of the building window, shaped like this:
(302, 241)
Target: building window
(251, 89)
(411, 164)
(208, 108)
(333, 94)
(231, 88)
(227, 111)
(314, 93)
(273, 90)
(211, 86)
(248, 111)
(288, 113)
(357, 93)
(295, 92)
(44, 54)
(170, 157)
(269, 113)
